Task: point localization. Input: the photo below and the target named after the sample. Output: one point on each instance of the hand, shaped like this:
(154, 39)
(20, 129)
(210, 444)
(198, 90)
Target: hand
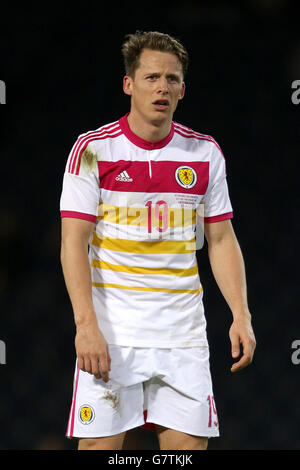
(241, 332)
(92, 351)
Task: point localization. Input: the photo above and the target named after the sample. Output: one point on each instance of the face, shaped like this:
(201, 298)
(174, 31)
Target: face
(157, 86)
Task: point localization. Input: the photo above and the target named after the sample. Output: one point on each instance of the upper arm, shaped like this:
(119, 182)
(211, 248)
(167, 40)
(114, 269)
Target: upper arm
(216, 231)
(76, 229)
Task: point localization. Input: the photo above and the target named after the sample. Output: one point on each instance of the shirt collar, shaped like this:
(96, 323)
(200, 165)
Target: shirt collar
(145, 144)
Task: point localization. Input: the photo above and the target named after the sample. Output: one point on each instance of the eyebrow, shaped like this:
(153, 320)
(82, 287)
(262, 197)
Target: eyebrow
(169, 75)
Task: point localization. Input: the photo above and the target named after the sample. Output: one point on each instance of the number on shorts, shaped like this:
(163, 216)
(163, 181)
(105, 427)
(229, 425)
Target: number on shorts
(212, 409)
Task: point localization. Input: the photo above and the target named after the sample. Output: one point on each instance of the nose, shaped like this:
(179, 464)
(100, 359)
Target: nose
(163, 85)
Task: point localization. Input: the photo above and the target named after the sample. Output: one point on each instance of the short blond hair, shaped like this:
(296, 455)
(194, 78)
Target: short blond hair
(154, 40)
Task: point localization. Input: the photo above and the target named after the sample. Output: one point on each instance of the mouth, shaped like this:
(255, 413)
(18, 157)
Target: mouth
(161, 104)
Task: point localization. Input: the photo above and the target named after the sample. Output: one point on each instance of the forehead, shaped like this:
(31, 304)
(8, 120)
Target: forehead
(155, 61)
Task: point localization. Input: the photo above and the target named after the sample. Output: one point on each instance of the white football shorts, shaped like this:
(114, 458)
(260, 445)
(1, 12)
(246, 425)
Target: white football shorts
(174, 386)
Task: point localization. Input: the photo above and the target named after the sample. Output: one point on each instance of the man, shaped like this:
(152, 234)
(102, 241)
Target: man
(130, 193)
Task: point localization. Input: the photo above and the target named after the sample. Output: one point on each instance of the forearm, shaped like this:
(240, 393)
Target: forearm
(77, 274)
(229, 272)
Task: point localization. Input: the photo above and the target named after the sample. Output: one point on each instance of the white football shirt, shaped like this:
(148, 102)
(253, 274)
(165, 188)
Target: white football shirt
(143, 197)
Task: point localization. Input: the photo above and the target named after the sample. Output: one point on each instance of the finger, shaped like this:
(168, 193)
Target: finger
(104, 367)
(95, 368)
(108, 359)
(241, 364)
(87, 365)
(235, 345)
(80, 363)
(245, 360)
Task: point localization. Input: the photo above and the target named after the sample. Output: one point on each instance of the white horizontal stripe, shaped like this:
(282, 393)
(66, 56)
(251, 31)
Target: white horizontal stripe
(170, 260)
(155, 281)
(140, 233)
(179, 315)
(122, 150)
(137, 199)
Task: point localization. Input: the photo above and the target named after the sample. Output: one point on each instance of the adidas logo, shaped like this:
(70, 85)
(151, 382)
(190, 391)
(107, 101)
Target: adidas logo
(124, 176)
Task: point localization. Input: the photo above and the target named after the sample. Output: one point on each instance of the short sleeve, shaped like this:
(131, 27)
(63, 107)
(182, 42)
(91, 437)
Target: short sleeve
(217, 205)
(80, 190)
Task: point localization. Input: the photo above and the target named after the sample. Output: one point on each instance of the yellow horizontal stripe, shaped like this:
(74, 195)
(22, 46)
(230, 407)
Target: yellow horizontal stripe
(142, 247)
(151, 289)
(138, 216)
(140, 270)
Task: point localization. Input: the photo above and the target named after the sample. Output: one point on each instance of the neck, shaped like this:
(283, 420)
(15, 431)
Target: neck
(148, 130)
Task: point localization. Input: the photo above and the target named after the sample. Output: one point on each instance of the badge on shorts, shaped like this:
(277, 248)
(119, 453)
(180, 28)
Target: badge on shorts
(86, 414)
(186, 176)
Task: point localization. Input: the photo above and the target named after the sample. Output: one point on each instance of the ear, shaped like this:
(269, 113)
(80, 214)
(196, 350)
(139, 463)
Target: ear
(182, 91)
(127, 81)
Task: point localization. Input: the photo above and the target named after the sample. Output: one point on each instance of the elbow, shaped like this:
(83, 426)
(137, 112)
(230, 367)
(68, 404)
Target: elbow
(72, 246)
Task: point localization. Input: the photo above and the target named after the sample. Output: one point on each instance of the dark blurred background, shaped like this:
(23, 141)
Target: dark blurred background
(63, 71)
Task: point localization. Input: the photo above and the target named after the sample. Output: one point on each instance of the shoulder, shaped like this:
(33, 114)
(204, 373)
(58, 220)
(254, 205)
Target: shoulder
(190, 134)
(105, 131)
(88, 142)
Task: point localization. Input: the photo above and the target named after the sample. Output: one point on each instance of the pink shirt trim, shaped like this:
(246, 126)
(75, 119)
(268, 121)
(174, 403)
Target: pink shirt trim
(79, 215)
(219, 218)
(144, 144)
